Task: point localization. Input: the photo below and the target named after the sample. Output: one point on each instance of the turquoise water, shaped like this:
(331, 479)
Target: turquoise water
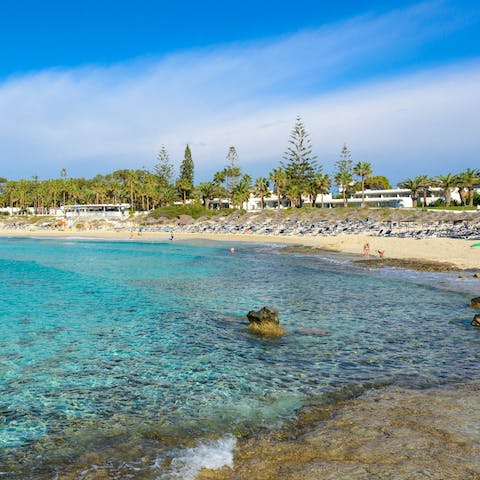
(113, 354)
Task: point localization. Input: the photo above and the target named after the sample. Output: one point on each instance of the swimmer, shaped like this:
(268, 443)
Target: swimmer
(232, 250)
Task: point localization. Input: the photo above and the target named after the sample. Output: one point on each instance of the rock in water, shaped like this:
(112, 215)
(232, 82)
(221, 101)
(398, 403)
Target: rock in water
(476, 321)
(475, 302)
(265, 321)
(265, 314)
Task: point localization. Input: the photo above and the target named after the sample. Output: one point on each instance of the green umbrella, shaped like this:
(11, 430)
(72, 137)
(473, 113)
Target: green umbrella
(475, 245)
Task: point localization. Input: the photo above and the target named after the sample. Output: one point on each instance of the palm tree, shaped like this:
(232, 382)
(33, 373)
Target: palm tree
(469, 180)
(323, 183)
(54, 187)
(447, 183)
(63, 174)
(242, 190)
(344, 178)
(363, 170)
(262, 189)
(414, 185)
(425, 182)
(293, 193)
(115, 190)
(131, 181)
(74, 189)
(99, 190)
(11, 191)
(312, 188)
(184, 185)
(278, 178)
(218, 179)
(207, 191)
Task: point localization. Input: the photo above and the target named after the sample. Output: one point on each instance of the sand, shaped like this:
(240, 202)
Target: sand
(446, 250)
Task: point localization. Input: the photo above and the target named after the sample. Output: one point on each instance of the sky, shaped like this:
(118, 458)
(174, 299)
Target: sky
(97, 86)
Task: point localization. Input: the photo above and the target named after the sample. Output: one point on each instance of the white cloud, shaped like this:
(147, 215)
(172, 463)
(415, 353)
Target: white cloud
(97, 119)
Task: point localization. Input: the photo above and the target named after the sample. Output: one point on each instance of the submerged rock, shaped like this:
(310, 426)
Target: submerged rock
(476, 321)
(475, 302)
(265, 321)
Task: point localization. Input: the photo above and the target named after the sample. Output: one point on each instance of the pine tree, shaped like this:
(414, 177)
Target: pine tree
(185, 181)
(232, 170)
(164, 172)
(344, 172)
(299, 165)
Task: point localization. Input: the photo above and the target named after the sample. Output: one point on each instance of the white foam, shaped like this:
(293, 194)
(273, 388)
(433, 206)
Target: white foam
(213, 454)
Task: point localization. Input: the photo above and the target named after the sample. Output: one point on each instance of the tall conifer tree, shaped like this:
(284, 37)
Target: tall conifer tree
(344, 176)
(300, 164)
(185, 181)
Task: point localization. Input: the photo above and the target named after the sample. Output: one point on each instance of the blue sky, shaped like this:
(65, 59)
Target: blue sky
(95, 86)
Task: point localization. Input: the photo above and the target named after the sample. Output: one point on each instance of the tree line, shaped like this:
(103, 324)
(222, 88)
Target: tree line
(465, 182)
(299, 175)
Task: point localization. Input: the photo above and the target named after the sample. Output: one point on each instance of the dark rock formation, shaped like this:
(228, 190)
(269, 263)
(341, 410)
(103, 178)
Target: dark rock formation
(265, 322)
(475, 302)
(265, 314)
(476, 321)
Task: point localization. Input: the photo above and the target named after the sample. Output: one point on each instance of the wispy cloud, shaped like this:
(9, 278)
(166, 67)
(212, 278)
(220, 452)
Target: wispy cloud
(97, 119)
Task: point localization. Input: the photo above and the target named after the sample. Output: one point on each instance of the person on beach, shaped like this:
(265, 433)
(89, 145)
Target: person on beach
(381, 252)
(171, 235)
(366, 250)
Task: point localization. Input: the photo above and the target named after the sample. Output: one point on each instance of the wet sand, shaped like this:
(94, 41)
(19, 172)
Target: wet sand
(456, 252)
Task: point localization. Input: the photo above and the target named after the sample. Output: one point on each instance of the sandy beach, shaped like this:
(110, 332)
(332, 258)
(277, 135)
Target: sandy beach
(457, 252)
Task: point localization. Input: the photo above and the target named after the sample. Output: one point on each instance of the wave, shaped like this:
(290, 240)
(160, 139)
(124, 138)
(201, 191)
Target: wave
(187, 463)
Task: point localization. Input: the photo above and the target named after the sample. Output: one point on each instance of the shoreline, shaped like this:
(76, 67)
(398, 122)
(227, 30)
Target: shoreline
(383, 432)
(457, 253)
(388, 432)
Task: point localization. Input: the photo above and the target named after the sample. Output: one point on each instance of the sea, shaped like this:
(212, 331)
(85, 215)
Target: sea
(132, 359)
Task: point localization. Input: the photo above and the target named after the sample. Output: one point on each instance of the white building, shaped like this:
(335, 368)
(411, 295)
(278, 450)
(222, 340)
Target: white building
(110, 210)
(393, 198)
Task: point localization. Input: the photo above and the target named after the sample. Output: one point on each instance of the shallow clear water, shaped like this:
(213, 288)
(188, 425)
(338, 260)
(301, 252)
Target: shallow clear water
(114, 353)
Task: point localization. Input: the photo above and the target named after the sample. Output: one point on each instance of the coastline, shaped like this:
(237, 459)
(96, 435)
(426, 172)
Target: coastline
(456, 252)
(391, 432)
(385, 432)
